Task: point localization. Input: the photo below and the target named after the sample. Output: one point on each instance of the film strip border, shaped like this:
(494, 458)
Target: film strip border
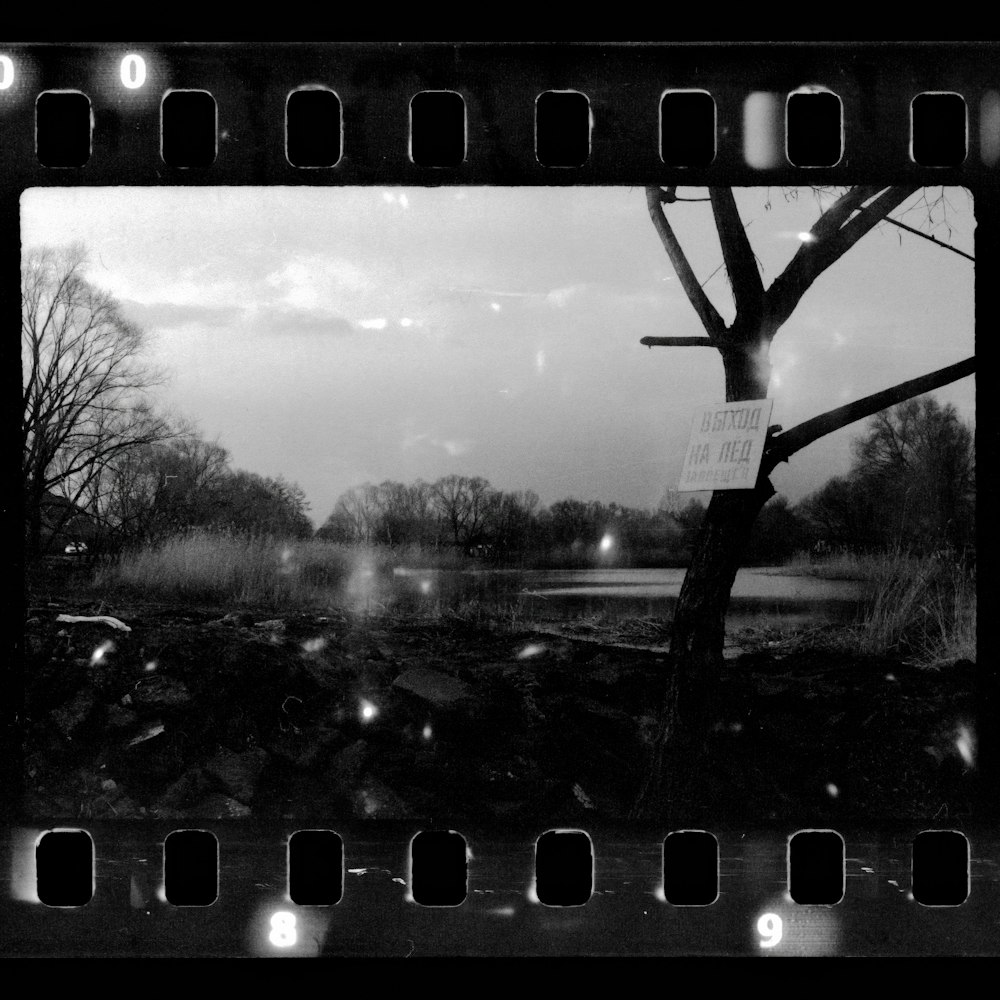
(510, 114)
(310, 892)
(507, 113)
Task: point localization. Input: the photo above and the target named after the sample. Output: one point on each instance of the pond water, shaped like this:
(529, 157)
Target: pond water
(783, 600)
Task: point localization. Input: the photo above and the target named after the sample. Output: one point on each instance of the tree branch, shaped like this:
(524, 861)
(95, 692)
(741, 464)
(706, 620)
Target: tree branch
(783, 446)
(677, 342)
(748, 289)
(828, 244)
(708, 314)
(928, 236)
(842, 209)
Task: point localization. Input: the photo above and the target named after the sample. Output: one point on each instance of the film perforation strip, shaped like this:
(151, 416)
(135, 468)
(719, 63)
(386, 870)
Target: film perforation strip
(564, 868)
(358, 116)
(811, 126)
(438, 129)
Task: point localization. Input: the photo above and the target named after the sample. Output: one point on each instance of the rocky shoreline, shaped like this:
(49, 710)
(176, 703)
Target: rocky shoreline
(207, 714)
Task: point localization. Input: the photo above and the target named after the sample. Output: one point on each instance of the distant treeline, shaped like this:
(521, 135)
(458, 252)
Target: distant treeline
(153, 492)
(468, 515)
(911, 486)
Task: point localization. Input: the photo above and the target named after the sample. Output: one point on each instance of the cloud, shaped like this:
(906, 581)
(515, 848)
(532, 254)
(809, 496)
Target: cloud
(307, 280)
(558, 297)
(398, 198)
(291, 321)
(451, 446)
(168, 315)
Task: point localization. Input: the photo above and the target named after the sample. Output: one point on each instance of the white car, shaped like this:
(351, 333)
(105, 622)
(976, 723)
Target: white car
(75, 548)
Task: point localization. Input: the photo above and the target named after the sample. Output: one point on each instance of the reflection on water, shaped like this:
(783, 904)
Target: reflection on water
(788, 601)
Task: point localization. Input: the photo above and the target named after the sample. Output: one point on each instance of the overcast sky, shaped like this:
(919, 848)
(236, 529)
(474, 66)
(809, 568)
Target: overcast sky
(342, 336)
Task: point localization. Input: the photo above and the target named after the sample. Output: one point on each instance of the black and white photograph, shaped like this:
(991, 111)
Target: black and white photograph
(496, 505)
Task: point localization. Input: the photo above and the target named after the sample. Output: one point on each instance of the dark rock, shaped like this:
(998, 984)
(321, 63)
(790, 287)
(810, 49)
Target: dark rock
(375, 800)
(235, 619)
(432, 686)
(218, 806)
(238, 772)
(286, 744)
(71, 717)
(152, 729)
(323, 675)
(375, 674)
(191, 786)
(158, 759)
(118, 717)
(605, 676)
(53, 682)
(317, 745)
(157, 693)
(346, 767)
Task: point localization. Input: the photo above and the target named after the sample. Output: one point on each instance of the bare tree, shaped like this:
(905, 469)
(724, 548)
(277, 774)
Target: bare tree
(699, 624)
(357, 508)
(85, 383)
(464, 504)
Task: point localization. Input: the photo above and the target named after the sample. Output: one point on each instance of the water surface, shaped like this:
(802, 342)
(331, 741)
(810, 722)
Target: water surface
(760, 596)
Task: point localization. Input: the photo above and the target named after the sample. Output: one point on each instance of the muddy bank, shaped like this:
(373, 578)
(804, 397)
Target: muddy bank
(198, 713)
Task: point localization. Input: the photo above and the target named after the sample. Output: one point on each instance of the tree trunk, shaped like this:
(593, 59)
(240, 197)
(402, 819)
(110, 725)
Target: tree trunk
(698, 633)
(33, 500)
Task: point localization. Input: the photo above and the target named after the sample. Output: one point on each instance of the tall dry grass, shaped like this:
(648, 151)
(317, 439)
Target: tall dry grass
(922, 607)
(234, 570)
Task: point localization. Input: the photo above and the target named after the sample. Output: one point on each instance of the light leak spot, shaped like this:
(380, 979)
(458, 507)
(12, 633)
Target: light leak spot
(405, 322)
(495, 306)
(379, 323)
(150, 666)
(806, 237)
(133, 71)
(607, 543)
(425, 586)
(23, 868)
(763, 128)
(101, 652)
(965, 744)
(769, 927)
(427, 732)
(283, 933)
(532, 649)
(314, 645)
(6, 72)
(989, 127)
(832, 790)
(368, 711)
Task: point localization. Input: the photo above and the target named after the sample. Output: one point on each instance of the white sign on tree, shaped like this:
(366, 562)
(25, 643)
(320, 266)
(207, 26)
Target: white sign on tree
(726, 446)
